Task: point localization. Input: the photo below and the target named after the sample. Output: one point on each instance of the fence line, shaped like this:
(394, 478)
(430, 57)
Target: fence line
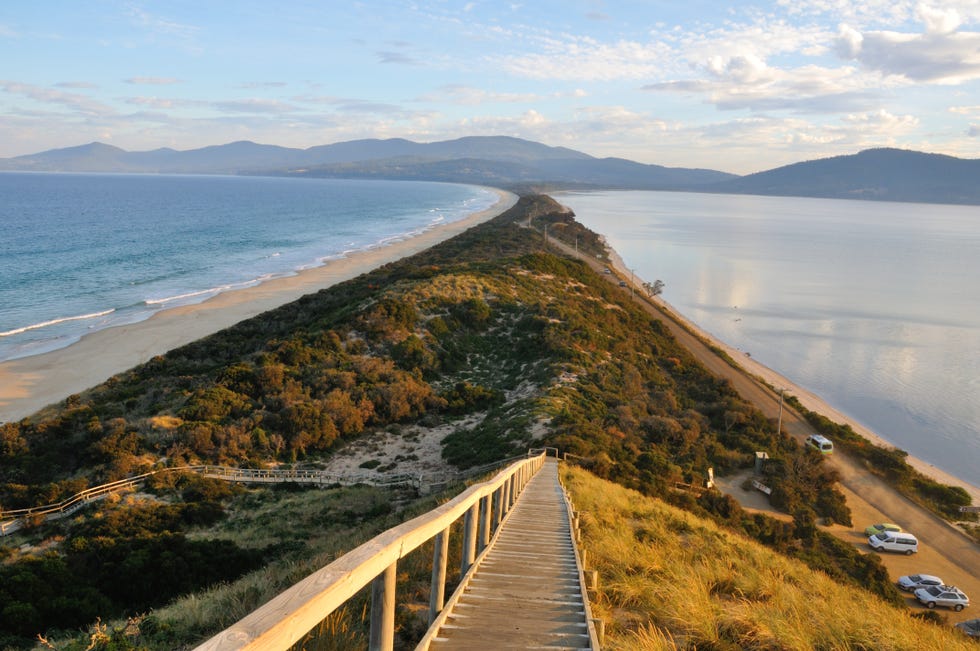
(15, 519)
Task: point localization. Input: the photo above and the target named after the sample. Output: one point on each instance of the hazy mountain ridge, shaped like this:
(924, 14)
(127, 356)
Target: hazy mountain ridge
(477, 159)
(880, 174)
(884, 174)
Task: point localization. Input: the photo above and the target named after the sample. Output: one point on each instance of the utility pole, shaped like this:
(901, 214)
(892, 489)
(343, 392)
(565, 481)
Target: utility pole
(779, 420)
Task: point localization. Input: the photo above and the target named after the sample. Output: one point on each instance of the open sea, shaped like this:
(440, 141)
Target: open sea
(873, 306)
(81, 252)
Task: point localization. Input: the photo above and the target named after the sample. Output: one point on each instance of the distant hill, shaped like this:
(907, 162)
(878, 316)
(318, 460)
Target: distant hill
(878, 174)
(478, 159)
(881, 174)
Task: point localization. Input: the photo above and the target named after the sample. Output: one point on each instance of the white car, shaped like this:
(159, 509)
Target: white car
(943, 595)
(913, 582)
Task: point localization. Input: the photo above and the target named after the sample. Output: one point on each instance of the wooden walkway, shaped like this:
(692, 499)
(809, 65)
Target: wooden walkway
(526, 590)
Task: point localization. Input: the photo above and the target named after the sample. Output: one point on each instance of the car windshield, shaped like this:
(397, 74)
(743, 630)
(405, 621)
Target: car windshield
(881, 536)
(934, 591)
(915, 578)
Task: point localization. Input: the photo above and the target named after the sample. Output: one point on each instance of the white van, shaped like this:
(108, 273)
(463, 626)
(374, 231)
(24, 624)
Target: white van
(894, 541)
(820, 443)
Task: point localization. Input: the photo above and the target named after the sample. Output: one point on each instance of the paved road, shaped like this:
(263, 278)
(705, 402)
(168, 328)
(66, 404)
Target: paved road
(944, 550)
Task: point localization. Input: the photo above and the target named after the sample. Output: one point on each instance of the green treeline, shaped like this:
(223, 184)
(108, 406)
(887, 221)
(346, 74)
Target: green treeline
(491, 324)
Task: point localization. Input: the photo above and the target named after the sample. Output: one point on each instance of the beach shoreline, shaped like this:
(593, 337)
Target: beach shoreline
(807, 398)
(29, 384)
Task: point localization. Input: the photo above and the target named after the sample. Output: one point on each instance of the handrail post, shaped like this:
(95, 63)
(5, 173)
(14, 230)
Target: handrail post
(469, 538)
(437, 593)
(383, 610)
(484, 537)
(498, 507)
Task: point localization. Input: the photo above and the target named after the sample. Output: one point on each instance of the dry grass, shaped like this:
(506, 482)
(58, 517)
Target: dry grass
(669, 580)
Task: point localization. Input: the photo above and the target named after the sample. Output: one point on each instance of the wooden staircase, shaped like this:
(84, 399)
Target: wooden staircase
(526, 590)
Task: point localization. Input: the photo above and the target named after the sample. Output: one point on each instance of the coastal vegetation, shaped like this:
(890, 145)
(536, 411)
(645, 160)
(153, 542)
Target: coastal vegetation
(492, 335)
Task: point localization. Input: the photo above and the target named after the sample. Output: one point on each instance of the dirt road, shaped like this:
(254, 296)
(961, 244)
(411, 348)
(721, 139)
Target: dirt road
(943, 550)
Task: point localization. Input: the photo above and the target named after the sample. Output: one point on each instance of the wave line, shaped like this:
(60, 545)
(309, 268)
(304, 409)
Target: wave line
(45, 324)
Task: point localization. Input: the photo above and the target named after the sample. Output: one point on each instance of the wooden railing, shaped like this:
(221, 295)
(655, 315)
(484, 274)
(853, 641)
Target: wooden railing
(288, 617)
(15, 519)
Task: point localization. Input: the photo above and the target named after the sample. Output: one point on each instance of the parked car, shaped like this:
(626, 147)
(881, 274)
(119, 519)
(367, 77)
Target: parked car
(821, 444)
(971, 627)
(894, 541)
(881, 527)
(943, 595)
(913, 582)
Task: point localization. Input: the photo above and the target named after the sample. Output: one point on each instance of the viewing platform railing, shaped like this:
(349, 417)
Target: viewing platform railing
(288, 617)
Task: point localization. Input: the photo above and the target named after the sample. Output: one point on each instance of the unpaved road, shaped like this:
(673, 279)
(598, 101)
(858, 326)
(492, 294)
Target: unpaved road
(943, 550)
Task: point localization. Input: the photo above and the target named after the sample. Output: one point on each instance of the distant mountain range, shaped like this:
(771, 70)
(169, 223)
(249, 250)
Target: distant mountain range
(882, 174)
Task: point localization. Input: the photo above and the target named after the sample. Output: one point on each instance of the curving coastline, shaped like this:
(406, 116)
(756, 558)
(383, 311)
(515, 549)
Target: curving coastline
(29, 384)
(807, 398)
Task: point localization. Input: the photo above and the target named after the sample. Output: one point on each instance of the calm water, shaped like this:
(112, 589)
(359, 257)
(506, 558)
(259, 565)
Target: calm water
(80, 252)
(873, 306)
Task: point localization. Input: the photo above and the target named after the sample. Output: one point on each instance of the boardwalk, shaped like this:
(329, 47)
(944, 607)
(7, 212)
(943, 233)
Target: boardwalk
(527, 592)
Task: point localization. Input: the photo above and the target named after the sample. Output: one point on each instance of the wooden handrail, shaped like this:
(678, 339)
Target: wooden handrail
(12, 520)
(257, 475)
(286, 618)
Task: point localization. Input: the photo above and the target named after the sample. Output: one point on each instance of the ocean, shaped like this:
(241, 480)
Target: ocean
(81, 252)
(873, 306)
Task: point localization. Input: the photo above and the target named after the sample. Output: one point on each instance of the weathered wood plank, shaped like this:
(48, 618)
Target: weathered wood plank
(526, 591)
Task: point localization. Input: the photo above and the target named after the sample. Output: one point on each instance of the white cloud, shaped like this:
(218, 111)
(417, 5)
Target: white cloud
(161, 102)
(469, 96)
(152, 81)
(161, 25)
(85, 85)
(880, 12)
(589, 60)
(254, 105)
(74, 101)
(881, 122)
(942, 53)
(965, 110)
(745, 84)
(938, 21)
(848, 43)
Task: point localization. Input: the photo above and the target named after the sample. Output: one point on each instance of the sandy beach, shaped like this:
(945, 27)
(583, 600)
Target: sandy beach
(32, 383)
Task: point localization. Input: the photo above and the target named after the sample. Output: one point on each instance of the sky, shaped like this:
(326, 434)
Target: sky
(738, 87)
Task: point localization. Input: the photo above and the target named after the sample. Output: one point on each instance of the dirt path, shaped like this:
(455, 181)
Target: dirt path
(943, 550)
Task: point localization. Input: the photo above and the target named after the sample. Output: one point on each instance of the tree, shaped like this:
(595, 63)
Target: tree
(656, 288)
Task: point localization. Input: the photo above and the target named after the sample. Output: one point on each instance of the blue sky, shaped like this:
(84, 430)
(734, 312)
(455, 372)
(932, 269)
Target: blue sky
(740, 88)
